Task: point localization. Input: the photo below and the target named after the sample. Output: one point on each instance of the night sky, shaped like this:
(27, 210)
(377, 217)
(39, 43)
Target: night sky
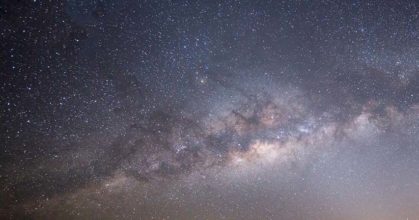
(174, 109)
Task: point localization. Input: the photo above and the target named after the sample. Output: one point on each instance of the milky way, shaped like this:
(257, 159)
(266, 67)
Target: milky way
(209, 110)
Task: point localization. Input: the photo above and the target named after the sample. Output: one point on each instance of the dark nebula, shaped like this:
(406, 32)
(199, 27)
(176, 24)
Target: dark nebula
(209, 110)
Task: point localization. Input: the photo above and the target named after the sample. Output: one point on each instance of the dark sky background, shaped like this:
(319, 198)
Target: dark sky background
(209, 110)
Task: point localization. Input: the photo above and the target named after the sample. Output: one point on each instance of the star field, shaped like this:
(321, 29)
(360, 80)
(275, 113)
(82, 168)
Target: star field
(209, 110)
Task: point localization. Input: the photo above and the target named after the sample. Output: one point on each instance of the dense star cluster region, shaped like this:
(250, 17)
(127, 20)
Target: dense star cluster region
(209, 110)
